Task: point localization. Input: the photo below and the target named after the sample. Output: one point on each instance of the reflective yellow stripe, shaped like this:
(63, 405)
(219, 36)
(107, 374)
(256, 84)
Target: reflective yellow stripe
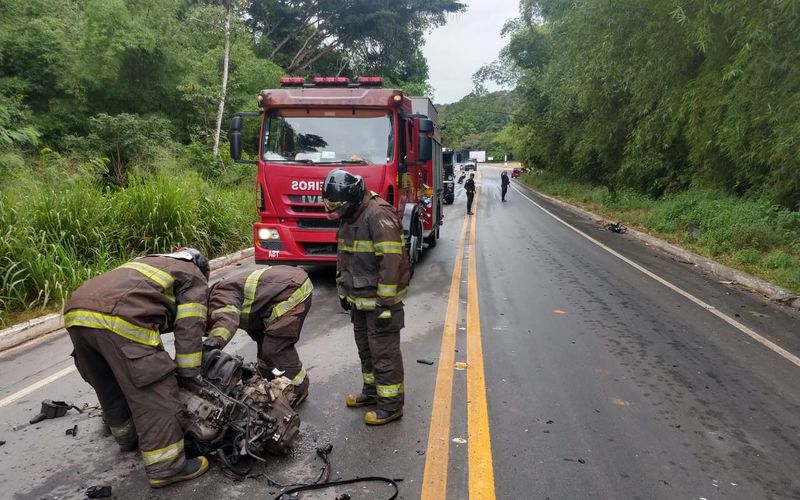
(163, 278)
(298, 379)
(369, 378)
(362, 303)
(383, 247)
(220, 332)
(91, 319)
(387, 290)
(294, 299)
(224, 310)
(250, 286)
(191, 360)
(163, 454)
(390, 391)
(386, 314)
(191, 310)
(357, 246)
(122, 430)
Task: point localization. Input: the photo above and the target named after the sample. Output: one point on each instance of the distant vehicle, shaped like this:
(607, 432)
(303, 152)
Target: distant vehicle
(471, 165)
(516, 173)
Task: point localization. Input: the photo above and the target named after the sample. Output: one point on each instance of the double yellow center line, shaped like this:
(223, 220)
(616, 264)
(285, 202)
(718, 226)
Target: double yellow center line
(479, 449)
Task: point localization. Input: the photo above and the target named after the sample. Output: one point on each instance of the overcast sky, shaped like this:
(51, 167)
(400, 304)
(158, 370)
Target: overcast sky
(468, 41)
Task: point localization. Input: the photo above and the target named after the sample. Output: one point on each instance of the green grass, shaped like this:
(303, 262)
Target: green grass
(59, 230)
(750, 235)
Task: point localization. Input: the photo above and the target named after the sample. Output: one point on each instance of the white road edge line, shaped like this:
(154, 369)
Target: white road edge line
(37, 385)
(739, 326)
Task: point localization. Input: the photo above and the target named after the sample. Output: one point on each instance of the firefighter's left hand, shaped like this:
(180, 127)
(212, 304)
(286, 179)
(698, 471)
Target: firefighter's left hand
(383, 317)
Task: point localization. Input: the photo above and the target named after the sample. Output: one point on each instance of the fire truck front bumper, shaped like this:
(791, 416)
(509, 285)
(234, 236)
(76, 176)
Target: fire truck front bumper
(292, 245)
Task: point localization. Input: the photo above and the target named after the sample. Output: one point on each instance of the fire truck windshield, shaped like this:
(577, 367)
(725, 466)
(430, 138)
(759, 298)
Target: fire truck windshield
(313, 136)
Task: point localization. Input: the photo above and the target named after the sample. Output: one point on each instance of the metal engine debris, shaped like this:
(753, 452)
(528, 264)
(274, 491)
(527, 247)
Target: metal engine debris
(236, 414)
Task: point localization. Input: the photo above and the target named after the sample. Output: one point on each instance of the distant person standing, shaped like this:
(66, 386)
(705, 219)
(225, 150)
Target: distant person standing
(504, 182)
(469, 187)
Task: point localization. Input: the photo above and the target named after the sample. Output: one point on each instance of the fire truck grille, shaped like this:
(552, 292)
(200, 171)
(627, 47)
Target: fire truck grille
(305, 209)
(320, 249)
(317, 224)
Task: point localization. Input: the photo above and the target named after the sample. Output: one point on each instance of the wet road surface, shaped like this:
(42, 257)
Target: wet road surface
(560, 371)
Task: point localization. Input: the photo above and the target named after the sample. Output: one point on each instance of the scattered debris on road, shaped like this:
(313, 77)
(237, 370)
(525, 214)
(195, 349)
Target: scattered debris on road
(425, 361)
(72, 431)
(616, 227)
(2, 443)
(98, 492)
(53, 409)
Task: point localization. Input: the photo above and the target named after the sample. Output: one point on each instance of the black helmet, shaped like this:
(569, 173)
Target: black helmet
(198, 258)
(342, 191)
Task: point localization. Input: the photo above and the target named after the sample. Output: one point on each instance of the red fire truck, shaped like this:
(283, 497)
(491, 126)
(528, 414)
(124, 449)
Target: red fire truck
(309, 128)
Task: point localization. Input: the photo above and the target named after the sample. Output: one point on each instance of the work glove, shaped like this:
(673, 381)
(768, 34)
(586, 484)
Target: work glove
(345, 304)
(383, 318)
(211, 343)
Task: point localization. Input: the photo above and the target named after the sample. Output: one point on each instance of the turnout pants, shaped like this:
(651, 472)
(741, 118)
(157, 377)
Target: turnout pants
(381, 358)
(503, 191)
(276, 345)
(138, 393)
(470, 197)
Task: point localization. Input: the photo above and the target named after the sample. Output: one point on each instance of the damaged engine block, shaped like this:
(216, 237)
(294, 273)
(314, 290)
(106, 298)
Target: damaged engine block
(237, 414)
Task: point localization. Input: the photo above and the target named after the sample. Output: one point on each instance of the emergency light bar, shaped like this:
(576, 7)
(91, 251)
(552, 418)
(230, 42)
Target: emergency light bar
(370, 81)
(292, 81)
(331, 81)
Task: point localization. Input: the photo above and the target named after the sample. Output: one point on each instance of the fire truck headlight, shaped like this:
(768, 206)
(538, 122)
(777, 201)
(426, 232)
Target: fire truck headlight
(266, 233)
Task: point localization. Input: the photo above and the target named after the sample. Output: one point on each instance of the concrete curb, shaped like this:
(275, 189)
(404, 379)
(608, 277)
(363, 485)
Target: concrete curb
(769, 290)
(49, 323)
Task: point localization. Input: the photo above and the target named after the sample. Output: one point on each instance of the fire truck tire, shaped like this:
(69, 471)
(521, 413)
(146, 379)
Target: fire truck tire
(431, 239)
(412, 231)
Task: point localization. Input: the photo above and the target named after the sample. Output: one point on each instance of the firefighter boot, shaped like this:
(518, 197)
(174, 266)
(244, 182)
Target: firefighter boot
(194, 467)
(125, 435)
(359, 400)
(380, 417)
(300, 393)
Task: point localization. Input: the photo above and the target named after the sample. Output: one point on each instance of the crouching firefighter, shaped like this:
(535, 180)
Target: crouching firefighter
(115, 322)
(372, 280)
(270, 304)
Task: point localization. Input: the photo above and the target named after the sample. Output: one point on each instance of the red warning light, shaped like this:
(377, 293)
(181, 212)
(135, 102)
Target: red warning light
(292, 81)
(331, 81)
(370, 81)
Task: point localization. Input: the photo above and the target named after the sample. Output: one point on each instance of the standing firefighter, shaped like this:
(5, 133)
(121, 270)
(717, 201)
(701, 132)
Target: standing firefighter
(469, 187)
(504, 182)
(372, 280)
(270, 304)
(115, 322)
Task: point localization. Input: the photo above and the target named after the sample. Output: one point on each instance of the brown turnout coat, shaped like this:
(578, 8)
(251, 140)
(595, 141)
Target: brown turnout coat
(372, 265)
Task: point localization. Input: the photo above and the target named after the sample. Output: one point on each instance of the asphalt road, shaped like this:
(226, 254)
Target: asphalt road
(560, 371)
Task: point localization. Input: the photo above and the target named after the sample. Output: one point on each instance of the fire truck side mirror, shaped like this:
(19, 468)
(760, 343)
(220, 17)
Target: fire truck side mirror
(425, 145)
(236, 137)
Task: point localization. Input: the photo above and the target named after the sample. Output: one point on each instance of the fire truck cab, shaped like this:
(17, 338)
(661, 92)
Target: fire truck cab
(310, 128)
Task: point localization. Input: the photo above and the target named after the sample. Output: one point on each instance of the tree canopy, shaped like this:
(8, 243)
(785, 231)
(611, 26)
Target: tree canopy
(659, 96)
(63, 61)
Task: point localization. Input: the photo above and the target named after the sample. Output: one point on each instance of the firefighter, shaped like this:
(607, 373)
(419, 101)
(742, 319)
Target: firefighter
(469, 187)
(372, 281)
(115, 322)
(504, 182)
(270, 304)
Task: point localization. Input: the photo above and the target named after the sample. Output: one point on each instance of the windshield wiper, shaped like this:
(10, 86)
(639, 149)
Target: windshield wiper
(345, 162)
(304, 161)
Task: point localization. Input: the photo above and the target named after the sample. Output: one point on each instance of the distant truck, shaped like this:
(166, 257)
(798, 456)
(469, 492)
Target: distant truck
(478, 156)
(309, 128)
(450, 159)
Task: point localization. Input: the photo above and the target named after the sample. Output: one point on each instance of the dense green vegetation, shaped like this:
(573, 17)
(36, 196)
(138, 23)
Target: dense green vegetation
(108, 112)
(660, 97)
(749, 234)
(476, 120)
